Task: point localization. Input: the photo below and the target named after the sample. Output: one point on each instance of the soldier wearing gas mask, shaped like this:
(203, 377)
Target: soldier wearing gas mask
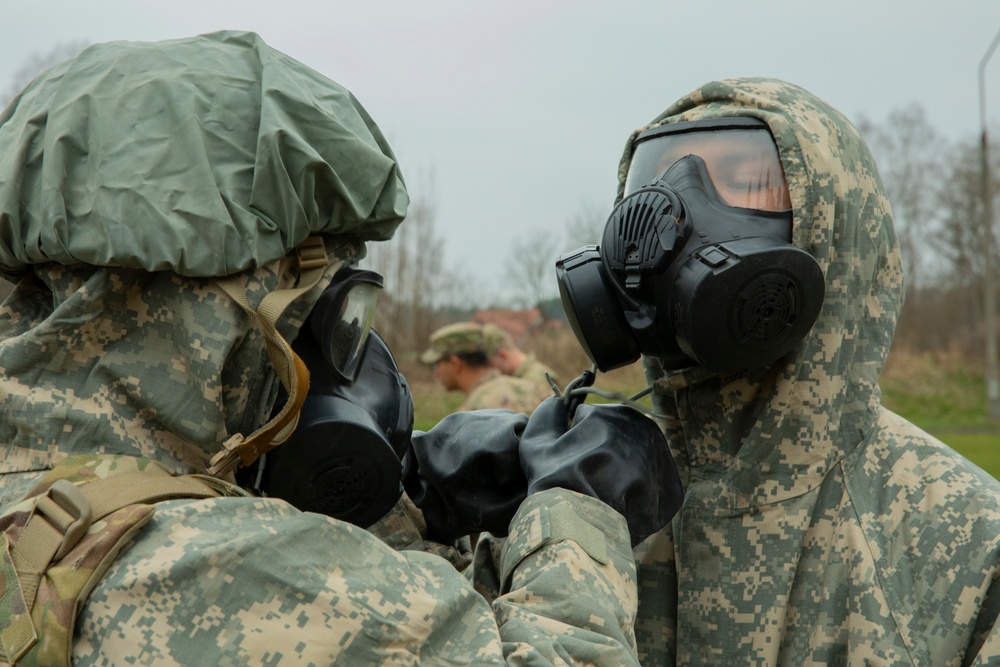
(751, 261)
(185, 210)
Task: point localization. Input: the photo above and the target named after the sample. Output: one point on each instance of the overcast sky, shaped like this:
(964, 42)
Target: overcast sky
(517, 110)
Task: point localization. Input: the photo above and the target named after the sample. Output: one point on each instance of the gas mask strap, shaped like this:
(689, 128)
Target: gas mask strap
(313, 263)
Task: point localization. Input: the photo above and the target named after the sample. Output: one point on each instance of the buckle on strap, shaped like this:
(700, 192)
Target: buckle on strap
(67, 510)
(311, 253)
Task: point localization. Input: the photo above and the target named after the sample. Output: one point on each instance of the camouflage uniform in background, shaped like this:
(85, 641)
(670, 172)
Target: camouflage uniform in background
(493, 389)
(530, 369)
(818, 527)
(132, 370)
(496, 390)
(535, 371)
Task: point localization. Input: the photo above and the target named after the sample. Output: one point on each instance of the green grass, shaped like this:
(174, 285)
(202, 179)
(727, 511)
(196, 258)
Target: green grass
(938, 399)
(983, 449)
(946, 397)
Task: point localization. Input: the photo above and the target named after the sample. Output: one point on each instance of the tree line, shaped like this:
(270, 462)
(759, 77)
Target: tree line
(936, 191)
(934, 186)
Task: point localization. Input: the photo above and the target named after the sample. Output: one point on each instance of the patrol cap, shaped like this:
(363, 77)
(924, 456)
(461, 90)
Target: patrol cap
(458, 338)
(495, 338)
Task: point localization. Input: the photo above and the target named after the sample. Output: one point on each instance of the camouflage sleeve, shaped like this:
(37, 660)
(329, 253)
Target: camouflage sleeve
(252, 581)
(567, 583)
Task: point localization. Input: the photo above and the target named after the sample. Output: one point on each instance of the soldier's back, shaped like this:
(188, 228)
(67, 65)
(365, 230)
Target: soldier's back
(535, 371)
(505, 392)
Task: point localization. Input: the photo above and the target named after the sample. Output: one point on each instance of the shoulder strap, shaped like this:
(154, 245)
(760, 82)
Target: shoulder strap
(66, 511)
(61, 521)
(313, 263)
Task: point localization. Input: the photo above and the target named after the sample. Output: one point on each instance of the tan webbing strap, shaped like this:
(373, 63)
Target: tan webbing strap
(111, 494)
(66, 511)
(313, 263)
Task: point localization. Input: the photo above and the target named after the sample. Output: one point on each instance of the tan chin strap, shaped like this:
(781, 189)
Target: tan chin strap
(313, 262)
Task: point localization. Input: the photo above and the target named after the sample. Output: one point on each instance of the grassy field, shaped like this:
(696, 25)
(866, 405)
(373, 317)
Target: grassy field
(945, 396)
(942, 394)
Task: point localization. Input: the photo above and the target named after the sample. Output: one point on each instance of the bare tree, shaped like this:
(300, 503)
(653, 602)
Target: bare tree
(36, 64)
(941, 236)
(417, 284)
(908, 152)
(530, 267)
(959, 242)
(585, 228)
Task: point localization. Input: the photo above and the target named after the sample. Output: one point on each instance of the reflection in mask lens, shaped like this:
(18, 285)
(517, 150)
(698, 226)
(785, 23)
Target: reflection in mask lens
(740, 155)
(343, 316)
(350, 330)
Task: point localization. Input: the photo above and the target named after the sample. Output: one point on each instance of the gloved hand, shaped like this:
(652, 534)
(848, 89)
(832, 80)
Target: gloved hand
(613, 453)
(464, 474)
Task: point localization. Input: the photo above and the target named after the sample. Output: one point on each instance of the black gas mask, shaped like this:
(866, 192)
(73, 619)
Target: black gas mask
(344, 457)
(695, 264)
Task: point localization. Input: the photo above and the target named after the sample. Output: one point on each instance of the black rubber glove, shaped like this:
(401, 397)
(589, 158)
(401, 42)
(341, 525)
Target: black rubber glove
(464, 474)
(613, 453)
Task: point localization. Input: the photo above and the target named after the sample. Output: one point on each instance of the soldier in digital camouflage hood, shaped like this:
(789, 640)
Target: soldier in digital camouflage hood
(818, 528)
(172, 213)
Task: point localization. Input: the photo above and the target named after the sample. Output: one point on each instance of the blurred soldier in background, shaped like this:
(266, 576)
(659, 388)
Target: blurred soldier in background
(184, 210)
(752, 262)
(459, 355)
(509, 359)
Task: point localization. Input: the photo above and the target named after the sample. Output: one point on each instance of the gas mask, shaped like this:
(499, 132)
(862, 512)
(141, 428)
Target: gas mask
(344, 457)
(695, 265)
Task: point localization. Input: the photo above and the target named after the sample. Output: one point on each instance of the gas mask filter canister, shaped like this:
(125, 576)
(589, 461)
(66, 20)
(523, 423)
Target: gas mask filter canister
(695, 265)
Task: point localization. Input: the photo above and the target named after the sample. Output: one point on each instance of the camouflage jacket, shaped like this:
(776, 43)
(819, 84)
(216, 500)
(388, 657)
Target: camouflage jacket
(252, 581)
(495, 390)
(111, 361)
(818, 528)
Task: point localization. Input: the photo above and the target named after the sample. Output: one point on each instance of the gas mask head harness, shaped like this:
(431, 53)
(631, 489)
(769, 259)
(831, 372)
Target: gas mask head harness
(344, 457)
(695, 265)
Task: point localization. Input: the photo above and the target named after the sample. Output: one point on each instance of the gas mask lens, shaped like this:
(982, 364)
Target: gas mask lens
(346, 310)
(739, 153)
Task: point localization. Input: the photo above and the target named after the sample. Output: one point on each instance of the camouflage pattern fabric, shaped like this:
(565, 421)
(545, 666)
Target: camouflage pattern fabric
(457, 338)
(534, 370)
(496, 338)
(251, 581)
(496, 390)
(123, 363)
(120, 361)
(818, 528)
(404, 528)
(65, 585)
